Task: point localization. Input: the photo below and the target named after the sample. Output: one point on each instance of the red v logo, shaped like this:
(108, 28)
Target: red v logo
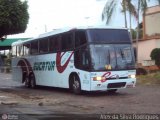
(61, 68)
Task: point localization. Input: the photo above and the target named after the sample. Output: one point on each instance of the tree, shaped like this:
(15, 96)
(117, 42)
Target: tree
(127, 6)
(155, 55)
(13, 17)
(111, 5)
(132, 12)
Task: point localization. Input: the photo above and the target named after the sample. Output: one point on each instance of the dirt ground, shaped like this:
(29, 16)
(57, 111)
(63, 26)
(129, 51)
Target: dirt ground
(46, 100)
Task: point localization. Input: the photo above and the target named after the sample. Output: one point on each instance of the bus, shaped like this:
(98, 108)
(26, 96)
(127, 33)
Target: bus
(81, 59)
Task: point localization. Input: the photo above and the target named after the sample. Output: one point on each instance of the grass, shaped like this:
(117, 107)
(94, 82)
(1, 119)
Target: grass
(149, 79)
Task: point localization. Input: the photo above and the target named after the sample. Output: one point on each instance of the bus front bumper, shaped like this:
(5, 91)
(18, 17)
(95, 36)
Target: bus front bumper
(112, 84)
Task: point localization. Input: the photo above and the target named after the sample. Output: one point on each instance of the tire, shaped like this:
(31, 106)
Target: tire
(32, 81)
(26, 82)
(76, 85)
(112, 91)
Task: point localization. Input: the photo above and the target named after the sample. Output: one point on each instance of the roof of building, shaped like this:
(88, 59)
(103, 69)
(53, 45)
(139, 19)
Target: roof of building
(6, 44)
(152, 10)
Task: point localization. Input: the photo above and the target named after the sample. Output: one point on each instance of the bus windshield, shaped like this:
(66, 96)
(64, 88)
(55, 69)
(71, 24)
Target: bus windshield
(117, 56)
(110, 36)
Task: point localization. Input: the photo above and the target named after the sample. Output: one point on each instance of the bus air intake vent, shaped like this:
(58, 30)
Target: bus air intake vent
(116, 85)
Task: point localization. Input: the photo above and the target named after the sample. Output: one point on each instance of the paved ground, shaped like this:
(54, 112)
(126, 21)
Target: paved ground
(16, 99)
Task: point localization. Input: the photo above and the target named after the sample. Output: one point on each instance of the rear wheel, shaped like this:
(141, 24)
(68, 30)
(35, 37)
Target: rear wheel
(32, 81)
(26, 82)
(76, 85)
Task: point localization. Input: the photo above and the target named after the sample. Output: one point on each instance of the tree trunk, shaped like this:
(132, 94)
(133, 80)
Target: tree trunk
(137, 35)
(125, 13)
(130, 22)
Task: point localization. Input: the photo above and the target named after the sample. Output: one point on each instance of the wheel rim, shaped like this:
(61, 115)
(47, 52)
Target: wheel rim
(26, 82)
(76, 84)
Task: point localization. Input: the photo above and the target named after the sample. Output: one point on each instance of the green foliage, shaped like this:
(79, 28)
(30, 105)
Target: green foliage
(109, 10)
(13, 17)
(134, 32)
(149, 79)
(155, 55)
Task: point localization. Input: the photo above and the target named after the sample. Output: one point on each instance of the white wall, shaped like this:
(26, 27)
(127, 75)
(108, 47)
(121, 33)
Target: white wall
(152, 23)
(145, 48)
(158, 43)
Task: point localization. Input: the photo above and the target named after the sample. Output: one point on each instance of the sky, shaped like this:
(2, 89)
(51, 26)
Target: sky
(47, 15)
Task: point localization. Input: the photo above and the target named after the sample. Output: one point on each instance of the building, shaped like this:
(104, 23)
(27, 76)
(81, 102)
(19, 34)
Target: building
(5, 47)
(151, 34)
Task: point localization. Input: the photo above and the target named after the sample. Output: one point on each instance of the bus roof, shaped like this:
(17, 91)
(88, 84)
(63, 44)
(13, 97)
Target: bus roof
(58, 31)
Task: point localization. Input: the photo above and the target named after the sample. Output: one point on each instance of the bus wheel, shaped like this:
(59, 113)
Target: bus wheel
(112, 91)
(32, 81)
(76, 85)
(26, 82)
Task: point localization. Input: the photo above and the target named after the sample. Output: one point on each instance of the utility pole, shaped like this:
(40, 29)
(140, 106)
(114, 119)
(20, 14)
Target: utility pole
(45, 28)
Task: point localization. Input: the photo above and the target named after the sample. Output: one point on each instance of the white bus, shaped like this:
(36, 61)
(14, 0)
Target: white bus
(88, 59)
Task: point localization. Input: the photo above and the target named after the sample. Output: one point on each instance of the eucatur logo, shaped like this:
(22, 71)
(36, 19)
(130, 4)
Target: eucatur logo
(48, 65)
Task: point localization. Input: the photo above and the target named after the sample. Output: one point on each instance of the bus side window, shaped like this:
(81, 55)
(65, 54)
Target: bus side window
(19, 50)
(26, 48)
(67, 41)
(54, 43)
(82, 59)
(77, 59)
(14, 50)
(34, 47)
(43, 45)
(80, 38)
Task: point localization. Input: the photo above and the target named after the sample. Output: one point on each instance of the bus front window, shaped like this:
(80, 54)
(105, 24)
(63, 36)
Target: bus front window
(111, 57)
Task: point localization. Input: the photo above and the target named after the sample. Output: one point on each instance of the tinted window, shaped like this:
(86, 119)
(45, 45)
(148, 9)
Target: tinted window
(112, 57)
(80, 38)
(26, 48)
(82, 58)
(54, 43)
(43, 45)
(67, 41)
(109, 36)
(34, 47)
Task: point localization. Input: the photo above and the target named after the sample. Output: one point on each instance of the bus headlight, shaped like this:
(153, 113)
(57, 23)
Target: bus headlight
(131, 76)
(99, 78)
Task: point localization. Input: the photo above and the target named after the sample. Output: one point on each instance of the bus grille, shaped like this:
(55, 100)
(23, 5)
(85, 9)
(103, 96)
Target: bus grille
(116, 85)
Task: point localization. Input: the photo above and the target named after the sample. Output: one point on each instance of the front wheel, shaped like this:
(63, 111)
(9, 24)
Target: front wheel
(76, 85)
